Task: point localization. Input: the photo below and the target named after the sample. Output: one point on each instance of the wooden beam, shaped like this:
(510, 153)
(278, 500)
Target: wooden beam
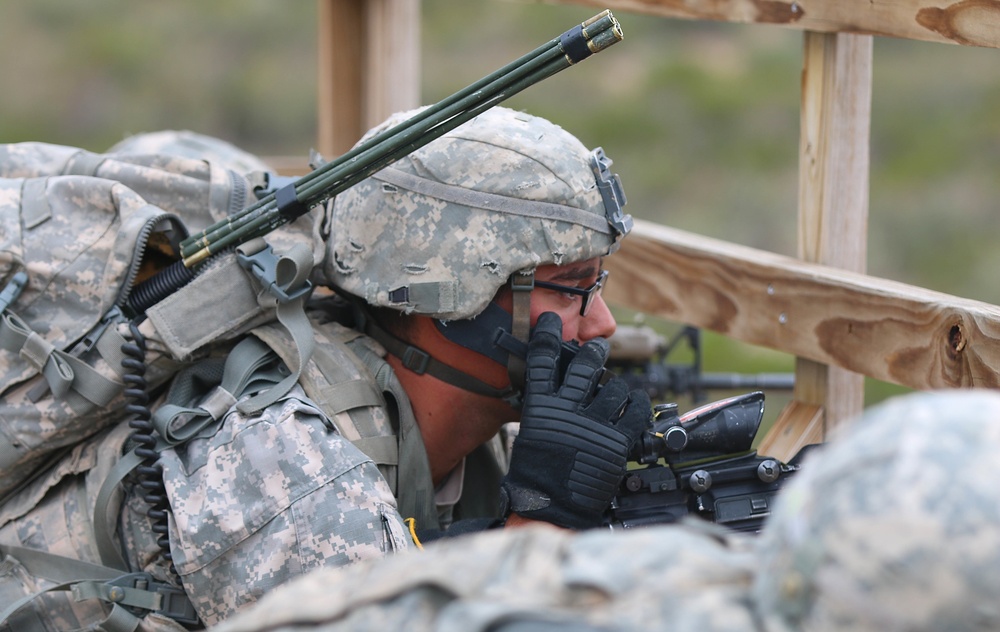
(340, 65)
(799, 425)
(392, 62)
(963, 22)
(835, 124)
(891, 331)
(369, 67)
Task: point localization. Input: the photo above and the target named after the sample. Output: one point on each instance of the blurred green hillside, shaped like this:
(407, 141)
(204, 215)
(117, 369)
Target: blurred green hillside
(701, 119)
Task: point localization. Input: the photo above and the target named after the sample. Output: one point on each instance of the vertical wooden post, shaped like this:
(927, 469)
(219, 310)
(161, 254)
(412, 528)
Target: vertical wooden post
(833, 218)
(834, 161)
(369, 66)
(392, 59)
(339, 98)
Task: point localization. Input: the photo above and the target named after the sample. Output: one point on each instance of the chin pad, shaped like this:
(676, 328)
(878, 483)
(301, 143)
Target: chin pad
(482, 333)
(488, 334)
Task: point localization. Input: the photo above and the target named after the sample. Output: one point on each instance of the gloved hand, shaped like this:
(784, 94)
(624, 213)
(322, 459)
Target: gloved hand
(570, 453)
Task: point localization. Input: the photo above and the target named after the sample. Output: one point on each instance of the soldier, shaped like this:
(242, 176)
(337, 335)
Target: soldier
(441, 265)
(890, 527)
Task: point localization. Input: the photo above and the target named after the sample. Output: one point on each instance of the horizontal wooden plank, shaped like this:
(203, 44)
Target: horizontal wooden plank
(887, 330)
(964, 22)
(288, 165)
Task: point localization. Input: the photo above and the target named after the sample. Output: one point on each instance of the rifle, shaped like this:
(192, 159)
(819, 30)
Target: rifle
(294, 199)
(701, 464)
(640, 356)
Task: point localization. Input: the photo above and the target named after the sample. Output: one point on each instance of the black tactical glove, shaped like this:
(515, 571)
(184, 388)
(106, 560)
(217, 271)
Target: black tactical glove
(570, 453)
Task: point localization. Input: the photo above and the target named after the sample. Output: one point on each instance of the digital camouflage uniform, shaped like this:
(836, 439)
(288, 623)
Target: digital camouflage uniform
(893, 526)
(325, 475)
(267, 496)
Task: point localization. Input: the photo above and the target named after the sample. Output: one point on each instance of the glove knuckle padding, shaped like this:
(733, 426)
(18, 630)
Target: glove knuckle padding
(594, 352)
(540, 375)
(576, 387)
(571, 451)
(584, 370)
(595, 472)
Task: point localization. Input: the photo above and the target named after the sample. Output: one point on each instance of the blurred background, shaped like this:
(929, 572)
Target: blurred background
(701, 119)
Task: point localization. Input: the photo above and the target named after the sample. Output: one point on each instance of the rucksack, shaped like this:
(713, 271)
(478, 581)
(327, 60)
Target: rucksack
(79, 232)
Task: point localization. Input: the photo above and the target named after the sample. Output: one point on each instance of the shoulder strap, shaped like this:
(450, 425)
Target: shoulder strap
(92, 581)
(285, 279)
(62, 371)
(248, 368)
(414, 488)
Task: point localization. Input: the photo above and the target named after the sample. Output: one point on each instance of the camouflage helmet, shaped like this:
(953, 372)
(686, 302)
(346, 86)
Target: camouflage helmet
(187, 144)
(440, 231)
(893, 527)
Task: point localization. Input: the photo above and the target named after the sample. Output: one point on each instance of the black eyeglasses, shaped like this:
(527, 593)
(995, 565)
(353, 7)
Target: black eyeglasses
(588, 294)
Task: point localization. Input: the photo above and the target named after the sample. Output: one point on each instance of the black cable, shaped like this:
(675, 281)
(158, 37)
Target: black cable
(149, 473)
(158, 287)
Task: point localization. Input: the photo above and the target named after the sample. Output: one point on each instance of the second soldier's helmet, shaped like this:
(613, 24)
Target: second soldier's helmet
(895, 526)
(188, 144)
(440, 231)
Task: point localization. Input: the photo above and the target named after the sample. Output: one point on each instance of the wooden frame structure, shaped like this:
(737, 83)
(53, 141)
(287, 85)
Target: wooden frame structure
(821, 307)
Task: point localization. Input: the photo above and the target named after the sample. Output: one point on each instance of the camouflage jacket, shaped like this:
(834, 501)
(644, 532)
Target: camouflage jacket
(259, 498)
(891, 525)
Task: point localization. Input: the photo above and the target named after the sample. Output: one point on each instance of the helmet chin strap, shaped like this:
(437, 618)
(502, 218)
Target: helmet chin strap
(503, 337)
(494, 333)
(521, 284)
(498, 335)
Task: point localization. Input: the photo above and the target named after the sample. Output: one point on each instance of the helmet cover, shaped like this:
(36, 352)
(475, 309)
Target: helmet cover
(188, 144)
(441, 230)
(894, 526)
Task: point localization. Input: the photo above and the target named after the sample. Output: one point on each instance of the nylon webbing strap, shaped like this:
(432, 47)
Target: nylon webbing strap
(344, 396)
(109, 345)
(62, 371)
(521, 284)
(119, 620)
(288, 288)
(92, 581)
(381, 450)
(35, 209)
(246, 370)
(413, 488)
(419, 361)
(108, 500)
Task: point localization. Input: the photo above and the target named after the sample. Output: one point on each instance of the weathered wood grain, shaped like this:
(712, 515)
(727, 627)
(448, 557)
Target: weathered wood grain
(368, 67)
(833, 191)
(799, 425)
(963, 22)
(887, 330)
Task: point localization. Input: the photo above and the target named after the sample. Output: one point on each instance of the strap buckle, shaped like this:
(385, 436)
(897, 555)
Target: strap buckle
(263, 265)
(167, 600)
(416, 360)
(13, 289)
(522, 281)
(91, 337)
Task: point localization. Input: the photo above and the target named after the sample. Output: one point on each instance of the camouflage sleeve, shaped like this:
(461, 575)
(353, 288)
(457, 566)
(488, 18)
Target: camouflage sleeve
(673, 577)
(269, 497)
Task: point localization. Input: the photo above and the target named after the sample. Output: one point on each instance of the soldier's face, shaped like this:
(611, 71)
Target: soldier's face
(581, 275)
